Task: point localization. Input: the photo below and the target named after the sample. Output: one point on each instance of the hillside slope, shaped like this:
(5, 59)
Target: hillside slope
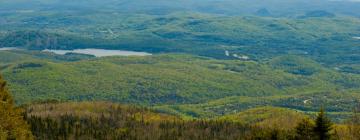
(104, 120)
(195, 86)
(326, 40)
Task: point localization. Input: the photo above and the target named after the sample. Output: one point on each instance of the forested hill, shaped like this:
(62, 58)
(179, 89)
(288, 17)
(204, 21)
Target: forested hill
(103, 120)
(328, 40)
(184, 85)
(180, 69)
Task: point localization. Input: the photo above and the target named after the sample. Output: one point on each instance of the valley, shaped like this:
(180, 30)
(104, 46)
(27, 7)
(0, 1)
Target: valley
(196, 87)
(179, 69)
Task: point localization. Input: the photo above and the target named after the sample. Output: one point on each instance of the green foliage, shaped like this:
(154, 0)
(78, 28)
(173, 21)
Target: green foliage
(103, 120)
(354, 124)
(323, 126)
(298, 60)
(184, 85)
(326, 40)
(297, 63)
(12, 124)
(304, 129)
(268, 117)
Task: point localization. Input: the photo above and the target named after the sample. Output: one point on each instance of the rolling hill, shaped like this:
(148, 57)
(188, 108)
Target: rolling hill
(206, 69)
(181, 84)
(104, 120)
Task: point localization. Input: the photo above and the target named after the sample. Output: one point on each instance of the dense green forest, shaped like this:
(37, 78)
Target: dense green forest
(326, 40)
(308, 33)
(183, 85)
(214, 69)
(103, 120)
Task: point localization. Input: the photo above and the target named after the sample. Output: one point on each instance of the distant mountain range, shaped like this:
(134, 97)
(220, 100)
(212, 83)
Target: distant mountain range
(228, 7)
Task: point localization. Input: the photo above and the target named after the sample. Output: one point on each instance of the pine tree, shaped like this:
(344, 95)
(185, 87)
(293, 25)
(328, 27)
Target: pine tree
(304, 129)
(12, 124)
(323, 126)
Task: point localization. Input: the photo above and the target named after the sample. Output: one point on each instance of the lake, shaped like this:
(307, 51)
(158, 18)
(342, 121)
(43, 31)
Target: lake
(8, 48)
(99, 52)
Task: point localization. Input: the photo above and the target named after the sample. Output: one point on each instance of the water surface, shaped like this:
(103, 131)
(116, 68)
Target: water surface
(8, 48)
(100, 52)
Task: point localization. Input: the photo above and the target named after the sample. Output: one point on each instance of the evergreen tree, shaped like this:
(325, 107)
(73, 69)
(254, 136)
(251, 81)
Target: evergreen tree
(304, 129)
(12, 124)
(323, 126)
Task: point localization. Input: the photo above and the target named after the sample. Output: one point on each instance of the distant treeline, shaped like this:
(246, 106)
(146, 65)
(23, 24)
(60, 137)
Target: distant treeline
(132, 123)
